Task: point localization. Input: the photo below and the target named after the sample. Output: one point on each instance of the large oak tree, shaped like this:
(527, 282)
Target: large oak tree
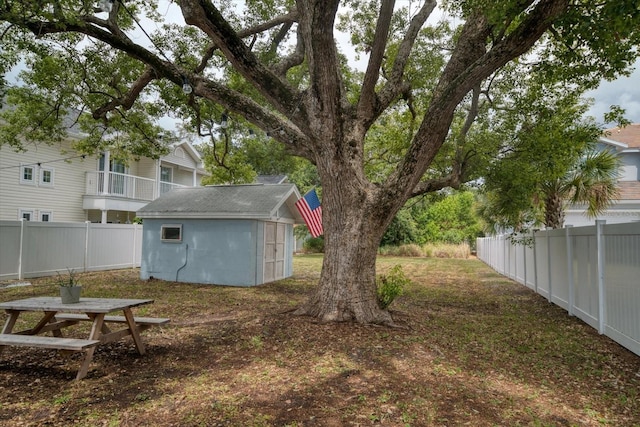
(277, 66)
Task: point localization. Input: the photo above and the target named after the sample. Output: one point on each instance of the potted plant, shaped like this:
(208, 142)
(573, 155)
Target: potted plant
(69, 287)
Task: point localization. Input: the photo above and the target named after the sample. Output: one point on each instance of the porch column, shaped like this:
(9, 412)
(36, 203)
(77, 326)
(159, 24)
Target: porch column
(106, 183)
(157, 194)
(104, 217)
(195, 178)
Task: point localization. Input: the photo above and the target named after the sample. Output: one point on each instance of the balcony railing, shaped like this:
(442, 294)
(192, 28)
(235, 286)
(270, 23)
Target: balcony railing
(168, 186)
(126, 186)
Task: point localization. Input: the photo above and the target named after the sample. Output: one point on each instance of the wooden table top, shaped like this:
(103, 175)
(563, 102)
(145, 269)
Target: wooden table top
(86, 305)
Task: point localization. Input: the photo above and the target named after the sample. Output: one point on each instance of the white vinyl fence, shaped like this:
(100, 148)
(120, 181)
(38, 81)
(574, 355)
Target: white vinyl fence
(36, 249)
(592, 272)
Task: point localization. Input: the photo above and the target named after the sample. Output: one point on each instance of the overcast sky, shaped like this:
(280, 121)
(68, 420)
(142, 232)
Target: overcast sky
(625, 92)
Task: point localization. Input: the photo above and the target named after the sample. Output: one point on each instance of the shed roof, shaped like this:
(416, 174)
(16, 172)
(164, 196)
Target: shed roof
(253, 201)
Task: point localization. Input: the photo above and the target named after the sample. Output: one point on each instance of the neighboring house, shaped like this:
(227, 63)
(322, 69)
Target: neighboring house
(54, 183)
(626, 143)
(239, 235)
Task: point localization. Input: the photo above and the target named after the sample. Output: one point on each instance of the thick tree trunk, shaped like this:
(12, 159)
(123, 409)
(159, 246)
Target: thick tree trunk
(353, 227)
(347, 288)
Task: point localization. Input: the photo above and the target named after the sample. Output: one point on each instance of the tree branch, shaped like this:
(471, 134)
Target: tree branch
(472, 113)
(296, 58)
(287, 20)
(452, 180)
(287, 132)
(207, 17)
(394, 85)
(470, 63)
(280, 128)
(367, 101)
(325, 96)
(129, 98)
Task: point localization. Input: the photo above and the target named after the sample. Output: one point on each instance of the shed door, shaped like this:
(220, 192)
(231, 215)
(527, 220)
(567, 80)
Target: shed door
(274, 255)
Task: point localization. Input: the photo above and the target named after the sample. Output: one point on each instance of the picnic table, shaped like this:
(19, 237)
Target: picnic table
(57, 316)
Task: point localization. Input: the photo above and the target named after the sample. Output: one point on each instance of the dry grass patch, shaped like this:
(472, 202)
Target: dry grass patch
(429, 250)
(477, 350)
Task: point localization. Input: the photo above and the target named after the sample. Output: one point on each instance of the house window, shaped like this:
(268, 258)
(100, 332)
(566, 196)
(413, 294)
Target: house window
(26, 214)
(46, 216)
(166, 174)
(26, 175)
(46, 177)
(171, 233)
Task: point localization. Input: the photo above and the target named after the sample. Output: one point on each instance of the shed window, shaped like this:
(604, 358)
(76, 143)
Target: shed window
(171, 233)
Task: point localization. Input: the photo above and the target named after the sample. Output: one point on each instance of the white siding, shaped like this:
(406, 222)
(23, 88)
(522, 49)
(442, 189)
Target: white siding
(183, 165)
(147, 168)
(629, 173)
(63, 198)
(183, 177)
(180, 157)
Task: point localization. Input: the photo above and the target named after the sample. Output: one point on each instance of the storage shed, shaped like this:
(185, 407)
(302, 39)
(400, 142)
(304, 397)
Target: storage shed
(238, 235)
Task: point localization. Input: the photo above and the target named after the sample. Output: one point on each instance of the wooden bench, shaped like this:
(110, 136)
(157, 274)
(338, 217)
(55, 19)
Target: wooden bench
(149, 321)
(57, 343)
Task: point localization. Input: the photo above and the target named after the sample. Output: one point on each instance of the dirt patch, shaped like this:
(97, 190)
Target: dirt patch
(477, 350)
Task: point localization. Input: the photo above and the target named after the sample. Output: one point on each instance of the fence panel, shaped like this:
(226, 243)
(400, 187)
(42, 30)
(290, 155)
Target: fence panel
(48, 249)
(530, 265)
(36, 249)
(558, 268)
(585, 273)
(113, 246)
(501, 258)
(519, 262)
(542, 263)
(10, 249)
(622, 278)
(593, 272)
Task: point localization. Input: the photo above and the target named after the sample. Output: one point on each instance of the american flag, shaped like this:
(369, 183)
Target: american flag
(311, 211)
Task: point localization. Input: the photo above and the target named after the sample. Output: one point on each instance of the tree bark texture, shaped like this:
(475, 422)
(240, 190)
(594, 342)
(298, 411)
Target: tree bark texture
(554, 211)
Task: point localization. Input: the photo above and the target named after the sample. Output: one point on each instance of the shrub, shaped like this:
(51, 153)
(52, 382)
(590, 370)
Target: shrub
(401, 230)
(390, 286)
(314, 245)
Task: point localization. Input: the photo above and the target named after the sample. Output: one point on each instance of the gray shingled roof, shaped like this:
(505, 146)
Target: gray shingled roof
(255, 201)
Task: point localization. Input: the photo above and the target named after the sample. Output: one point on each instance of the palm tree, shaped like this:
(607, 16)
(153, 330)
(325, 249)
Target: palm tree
(592, 181)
